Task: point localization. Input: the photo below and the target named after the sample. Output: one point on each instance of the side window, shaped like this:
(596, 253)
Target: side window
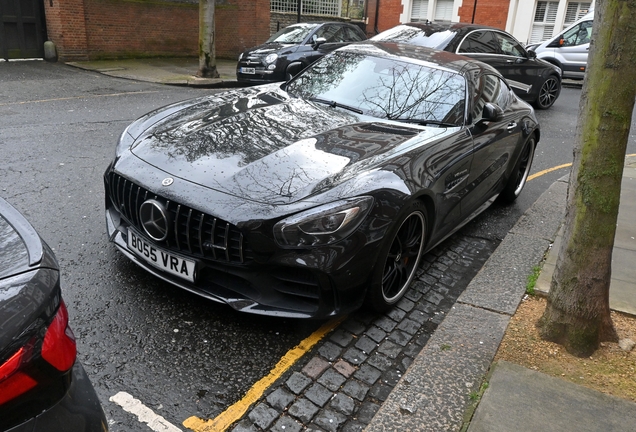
(510, 46)
(578, 35)
(490, 88)
(479, 42)
(351, 35)
(329, 32)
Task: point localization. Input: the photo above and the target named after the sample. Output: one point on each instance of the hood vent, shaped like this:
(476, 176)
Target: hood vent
(385, 128)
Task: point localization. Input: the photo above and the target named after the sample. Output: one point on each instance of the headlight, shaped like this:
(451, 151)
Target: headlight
(124, 143)
(271, 58)
(322, 225)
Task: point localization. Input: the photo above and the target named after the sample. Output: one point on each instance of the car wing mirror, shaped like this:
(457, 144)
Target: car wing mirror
(492, 112)
(531, 54)
(319, 41)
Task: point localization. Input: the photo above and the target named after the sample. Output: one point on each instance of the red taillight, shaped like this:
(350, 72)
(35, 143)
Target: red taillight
(13, 383)
(59, 348)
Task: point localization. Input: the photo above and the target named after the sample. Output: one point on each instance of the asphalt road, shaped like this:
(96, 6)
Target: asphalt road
(180, 355)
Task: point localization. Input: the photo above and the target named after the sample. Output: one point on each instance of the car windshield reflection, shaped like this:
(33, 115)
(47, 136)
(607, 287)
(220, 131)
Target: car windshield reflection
(292, 34)
(385, 88)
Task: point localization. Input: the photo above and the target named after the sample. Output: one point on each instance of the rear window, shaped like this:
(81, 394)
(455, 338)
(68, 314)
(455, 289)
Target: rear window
(416, 36)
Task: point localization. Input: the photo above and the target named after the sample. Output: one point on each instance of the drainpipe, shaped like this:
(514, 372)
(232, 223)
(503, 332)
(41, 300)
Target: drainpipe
(474, 10)
(377, 10)
(300, 5)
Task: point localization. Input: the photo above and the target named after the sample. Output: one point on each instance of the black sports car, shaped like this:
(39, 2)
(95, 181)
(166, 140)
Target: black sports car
(292, 49)
(42, 386)
(533, 80)
(306, 198)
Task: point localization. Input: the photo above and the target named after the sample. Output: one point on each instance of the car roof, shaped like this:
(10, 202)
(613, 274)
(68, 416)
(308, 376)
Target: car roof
(419, 54)
(436, 26)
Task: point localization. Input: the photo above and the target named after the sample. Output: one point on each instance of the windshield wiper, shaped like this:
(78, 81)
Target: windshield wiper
(423, 122)
(335, 104)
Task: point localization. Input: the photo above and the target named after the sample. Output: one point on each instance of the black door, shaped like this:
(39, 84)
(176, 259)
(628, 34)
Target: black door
(21, 29)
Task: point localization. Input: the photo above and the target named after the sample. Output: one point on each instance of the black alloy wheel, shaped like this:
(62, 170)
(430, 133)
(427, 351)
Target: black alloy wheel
(519, 176)
(548, 93)
(396, 265)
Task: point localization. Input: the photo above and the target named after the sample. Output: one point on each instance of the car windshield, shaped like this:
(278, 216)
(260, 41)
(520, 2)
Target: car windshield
(416, 36)
(294, 34)
(384, 87)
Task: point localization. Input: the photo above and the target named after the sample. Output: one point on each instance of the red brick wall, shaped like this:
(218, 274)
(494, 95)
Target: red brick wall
(489, 12)
(94, 29)
(66, 27)
(388, 15)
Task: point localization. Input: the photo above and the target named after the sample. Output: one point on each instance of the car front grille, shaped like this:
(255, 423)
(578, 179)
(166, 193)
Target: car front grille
(191, 231)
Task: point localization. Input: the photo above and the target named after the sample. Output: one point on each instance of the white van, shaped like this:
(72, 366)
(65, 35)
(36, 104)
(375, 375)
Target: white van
(568, 50)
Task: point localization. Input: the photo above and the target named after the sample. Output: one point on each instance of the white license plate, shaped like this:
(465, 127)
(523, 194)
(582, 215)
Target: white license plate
(250, 71)
(160, 258)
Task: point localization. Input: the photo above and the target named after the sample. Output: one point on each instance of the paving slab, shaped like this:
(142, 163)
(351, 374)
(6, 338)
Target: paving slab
(522, 400)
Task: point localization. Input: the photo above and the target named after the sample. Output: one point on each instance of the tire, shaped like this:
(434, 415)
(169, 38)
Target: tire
(399, 258)
(519, 175)
(548, 93)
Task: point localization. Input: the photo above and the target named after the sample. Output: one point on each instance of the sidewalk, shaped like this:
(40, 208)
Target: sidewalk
(433, 394)
(172, 71)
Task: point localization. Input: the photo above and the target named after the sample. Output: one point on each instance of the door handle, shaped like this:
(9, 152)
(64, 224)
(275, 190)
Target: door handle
(511, 126)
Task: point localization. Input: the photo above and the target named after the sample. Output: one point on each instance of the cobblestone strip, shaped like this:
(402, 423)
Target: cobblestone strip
(342, 384)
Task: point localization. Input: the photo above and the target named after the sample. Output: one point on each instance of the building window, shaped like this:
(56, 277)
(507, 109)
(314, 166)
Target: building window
(444, 10)
(309, 7)
(544, 21)
(575, 12)
(419, 10)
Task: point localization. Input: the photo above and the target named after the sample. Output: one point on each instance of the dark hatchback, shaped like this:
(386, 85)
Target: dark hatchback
(292, 49)
(533, 80)
(43, 387)
(308, 198)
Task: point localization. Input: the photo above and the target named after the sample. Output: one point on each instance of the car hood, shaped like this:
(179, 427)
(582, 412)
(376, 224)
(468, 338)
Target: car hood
(266, 48)
(263, 145)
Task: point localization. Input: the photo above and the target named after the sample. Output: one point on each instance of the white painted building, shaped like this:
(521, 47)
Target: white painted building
(536, 21)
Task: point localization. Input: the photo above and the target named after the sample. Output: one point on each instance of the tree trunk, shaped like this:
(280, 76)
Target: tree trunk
(577, 313)
(207, 53)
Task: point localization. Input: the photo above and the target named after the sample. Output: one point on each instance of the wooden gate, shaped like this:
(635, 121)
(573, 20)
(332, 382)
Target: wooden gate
(22, 29)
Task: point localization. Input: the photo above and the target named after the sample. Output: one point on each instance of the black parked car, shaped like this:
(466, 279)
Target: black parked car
(534, 80)
(42, 386)
(292, 49)
(303, 199)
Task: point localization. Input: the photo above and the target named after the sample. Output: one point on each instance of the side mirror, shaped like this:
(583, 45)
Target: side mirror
(531, 55)
(491, 112)
(319, 41)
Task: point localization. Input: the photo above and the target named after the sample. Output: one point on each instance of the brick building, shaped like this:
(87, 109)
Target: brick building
(96, 29)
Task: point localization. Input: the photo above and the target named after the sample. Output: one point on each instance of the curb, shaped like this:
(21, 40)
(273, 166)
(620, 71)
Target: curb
(434, 393)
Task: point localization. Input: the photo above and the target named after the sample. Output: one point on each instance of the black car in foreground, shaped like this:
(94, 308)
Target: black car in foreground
(42, 385)
(308, 198)
(533, 80)
(292, 49)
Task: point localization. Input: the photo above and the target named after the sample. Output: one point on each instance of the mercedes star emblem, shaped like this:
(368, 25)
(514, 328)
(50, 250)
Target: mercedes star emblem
(154, 219)
(167, 181)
